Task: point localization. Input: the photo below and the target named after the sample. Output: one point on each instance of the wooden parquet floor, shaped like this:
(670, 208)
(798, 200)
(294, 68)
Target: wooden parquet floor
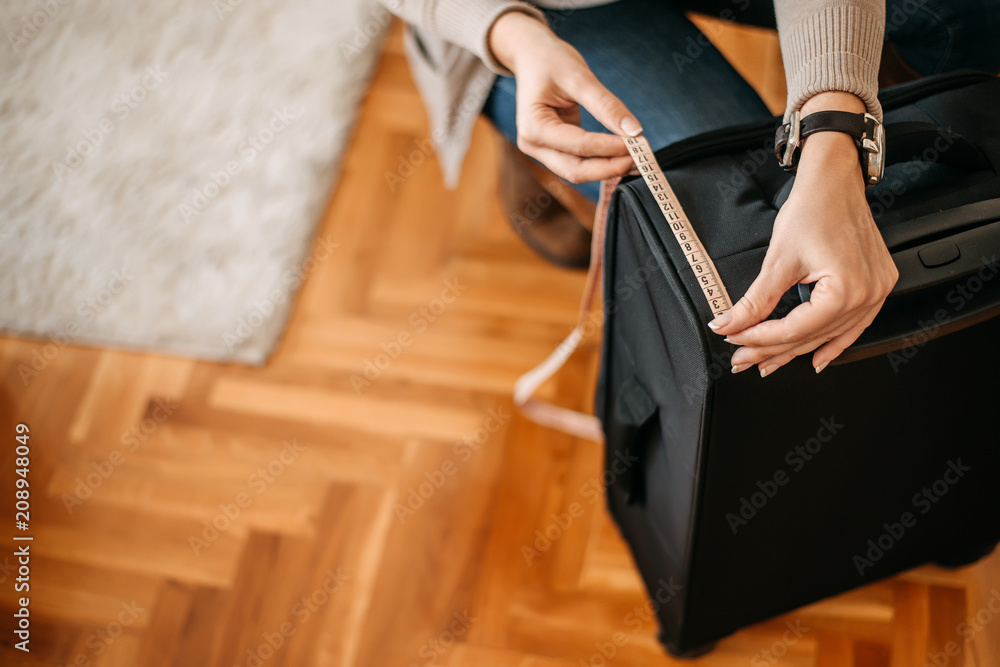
(363, 500)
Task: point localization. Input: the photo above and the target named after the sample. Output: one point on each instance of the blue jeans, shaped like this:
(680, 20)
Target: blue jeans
(678, 85)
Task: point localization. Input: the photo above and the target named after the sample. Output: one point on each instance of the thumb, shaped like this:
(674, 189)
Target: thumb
(603, 105)
(758, 302)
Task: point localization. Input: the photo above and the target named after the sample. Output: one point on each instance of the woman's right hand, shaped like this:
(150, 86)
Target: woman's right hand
(553, 82)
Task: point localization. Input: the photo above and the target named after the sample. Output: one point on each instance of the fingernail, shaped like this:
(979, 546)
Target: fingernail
(767, 370)
(822, 366)
(631, 126)
(720, 321)
(726, 340)
(739, 368)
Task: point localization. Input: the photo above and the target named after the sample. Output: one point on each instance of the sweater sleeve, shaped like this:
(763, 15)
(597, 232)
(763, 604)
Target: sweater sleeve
(831, 45)
(465, 23)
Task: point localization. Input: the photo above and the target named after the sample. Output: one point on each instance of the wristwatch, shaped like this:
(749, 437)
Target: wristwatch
(869, 136)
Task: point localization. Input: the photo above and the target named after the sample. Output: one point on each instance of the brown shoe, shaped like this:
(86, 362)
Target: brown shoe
(544, 211)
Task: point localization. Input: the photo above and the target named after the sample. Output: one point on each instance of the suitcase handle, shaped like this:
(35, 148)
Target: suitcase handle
(940, 223)
(913, 141)
(935, 253)
(948, 259)
(633, 413)
(959, 283)
(960, 280)
(931, 263)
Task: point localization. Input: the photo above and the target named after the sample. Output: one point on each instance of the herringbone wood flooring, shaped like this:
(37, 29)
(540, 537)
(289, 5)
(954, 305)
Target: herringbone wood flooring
(390, 391)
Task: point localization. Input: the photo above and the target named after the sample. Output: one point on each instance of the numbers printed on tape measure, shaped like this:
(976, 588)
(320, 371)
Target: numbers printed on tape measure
(699, 261)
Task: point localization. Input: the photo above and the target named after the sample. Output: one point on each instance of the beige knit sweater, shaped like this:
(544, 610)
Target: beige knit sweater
(825, 45)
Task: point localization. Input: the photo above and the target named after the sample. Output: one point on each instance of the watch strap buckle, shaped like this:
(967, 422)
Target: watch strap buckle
(787, 141)
(872, 142)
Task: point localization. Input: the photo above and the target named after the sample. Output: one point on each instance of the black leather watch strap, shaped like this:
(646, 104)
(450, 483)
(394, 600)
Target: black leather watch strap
(854, 124)
(862, 127)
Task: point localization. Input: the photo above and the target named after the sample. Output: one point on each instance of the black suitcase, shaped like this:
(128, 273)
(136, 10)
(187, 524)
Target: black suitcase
(749, 497)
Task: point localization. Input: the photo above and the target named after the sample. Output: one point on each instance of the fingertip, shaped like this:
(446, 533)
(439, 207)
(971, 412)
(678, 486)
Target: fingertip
(631, 126)
(766, 370)
(721, 321)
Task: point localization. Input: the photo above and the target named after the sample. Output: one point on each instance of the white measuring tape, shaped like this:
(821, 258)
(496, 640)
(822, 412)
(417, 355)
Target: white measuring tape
(699, 260)
(578, 423)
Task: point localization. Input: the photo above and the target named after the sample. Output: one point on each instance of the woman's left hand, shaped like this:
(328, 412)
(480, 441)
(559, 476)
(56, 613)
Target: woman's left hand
(825, 234)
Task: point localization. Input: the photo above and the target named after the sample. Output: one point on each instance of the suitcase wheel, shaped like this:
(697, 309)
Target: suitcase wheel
(690, 654)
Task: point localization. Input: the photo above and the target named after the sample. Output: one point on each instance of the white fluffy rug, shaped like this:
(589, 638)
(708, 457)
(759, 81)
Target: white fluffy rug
(164, 165)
